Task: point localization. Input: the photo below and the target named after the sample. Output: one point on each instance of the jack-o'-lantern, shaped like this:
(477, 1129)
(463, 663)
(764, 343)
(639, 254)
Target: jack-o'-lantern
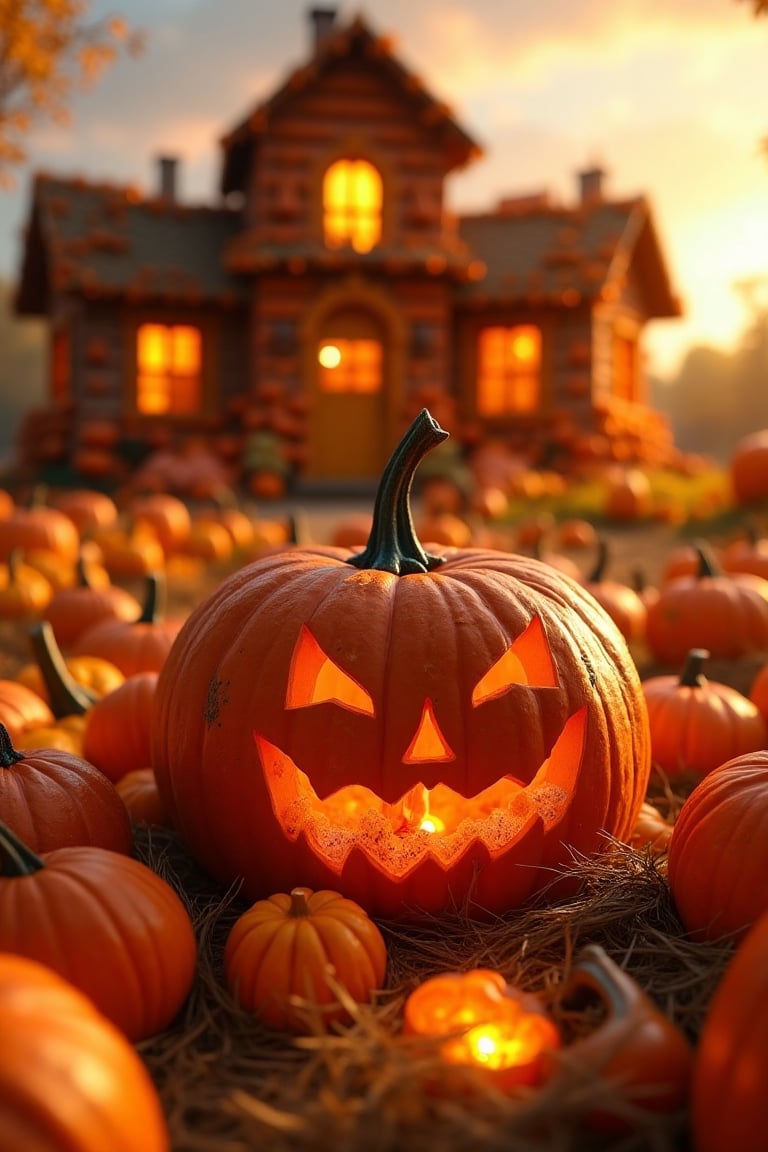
(411, 729)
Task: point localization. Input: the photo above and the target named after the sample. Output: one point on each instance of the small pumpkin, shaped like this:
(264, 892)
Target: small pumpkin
(718, 853)
(487, 1024)
(651, 831)
(622, 603)
(138, 791)
(730, 1074)
(280, 951)
(51, 798)
(635, 1045)
(139, 645)
(117, 736)
(70, 1081)
(696, 723)
(72, 610)
(758, 692)
(21, 709)
(24, 591)
(105, 922)
(726, 614)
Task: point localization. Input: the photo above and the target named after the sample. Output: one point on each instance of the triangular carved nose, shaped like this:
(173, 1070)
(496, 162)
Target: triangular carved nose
(428, 745)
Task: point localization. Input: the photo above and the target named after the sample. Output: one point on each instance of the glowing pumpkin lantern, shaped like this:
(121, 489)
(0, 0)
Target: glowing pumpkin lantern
(486, 1023)
(406, 728)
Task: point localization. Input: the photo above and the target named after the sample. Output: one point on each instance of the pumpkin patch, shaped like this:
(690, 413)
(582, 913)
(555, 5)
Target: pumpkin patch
(369, 774)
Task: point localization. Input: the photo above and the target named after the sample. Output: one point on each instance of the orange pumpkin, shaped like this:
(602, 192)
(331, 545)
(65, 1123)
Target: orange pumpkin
(748, 468)
(405, 728)
(278, 953)
(105, 922)
(730, 1075)
(636, 1046)
(134, 646)
(718, 854)
(80, 606)
(487, 1024)
(758, 692)
(51, 798)
(117, 734)
(696, 723)
(138, 791)
(69, 1079)
(726, 614)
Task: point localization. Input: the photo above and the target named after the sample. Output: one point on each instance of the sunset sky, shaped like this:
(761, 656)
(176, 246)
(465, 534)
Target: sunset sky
(668, 96)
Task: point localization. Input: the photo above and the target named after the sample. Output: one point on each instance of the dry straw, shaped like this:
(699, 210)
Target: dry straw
(229, 1084)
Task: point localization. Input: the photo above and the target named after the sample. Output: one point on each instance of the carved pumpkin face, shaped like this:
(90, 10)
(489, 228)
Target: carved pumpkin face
(407, 739)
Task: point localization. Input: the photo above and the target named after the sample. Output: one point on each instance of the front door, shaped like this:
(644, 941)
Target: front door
(347, 420)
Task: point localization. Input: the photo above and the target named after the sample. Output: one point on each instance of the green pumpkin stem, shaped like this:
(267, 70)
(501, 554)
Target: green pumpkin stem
(692, 673)
(8, 754)
(598, 572)
(393, 545)
(81, 572)
(66, 697)
(17, 859)
(155, 596)
(707, 565)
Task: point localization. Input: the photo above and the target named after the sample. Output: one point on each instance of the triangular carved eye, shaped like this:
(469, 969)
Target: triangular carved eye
(315, 679)
(527, 661)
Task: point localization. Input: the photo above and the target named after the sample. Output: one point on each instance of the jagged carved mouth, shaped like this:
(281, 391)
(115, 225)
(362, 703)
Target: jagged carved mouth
(437, 823)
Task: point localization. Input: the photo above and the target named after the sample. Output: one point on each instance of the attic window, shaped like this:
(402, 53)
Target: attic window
(508, 370)
(352, 205)
(169, 364)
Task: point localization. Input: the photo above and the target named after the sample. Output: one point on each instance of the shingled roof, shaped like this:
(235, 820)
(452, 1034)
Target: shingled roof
(106, 240)
(538, 252)
(338, 43)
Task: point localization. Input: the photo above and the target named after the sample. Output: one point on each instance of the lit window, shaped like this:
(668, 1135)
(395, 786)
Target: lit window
(169, 369)
(509, 370)
(350, 365)
(625, 383)
(352, 205)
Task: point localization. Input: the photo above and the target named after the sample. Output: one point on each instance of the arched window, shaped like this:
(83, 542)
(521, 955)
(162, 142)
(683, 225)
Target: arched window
(509, 370)
(352, 205)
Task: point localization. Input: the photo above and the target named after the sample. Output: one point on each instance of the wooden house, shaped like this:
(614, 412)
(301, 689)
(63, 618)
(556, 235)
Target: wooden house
(329, 294)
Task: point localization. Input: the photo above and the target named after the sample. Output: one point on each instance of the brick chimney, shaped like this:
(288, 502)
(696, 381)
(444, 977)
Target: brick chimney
(322, 22)
(591, 185)
(166, 177)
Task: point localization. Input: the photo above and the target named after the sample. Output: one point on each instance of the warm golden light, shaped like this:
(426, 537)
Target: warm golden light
(508, 370)
(352, 196)
(169, 363)
(485, 1022)
(329, 356)
(438, 822)
(315, 679)
(527, 661)
(350, 366)
(428, 744)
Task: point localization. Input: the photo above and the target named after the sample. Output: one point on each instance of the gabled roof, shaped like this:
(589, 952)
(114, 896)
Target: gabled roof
(106, 240)
(344, 42)
(540, 253)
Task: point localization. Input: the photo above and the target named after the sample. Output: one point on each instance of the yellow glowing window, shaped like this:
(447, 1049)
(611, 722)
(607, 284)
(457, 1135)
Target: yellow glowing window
(350, 365)
(169, 360)
(352, 205)
(509, 370)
